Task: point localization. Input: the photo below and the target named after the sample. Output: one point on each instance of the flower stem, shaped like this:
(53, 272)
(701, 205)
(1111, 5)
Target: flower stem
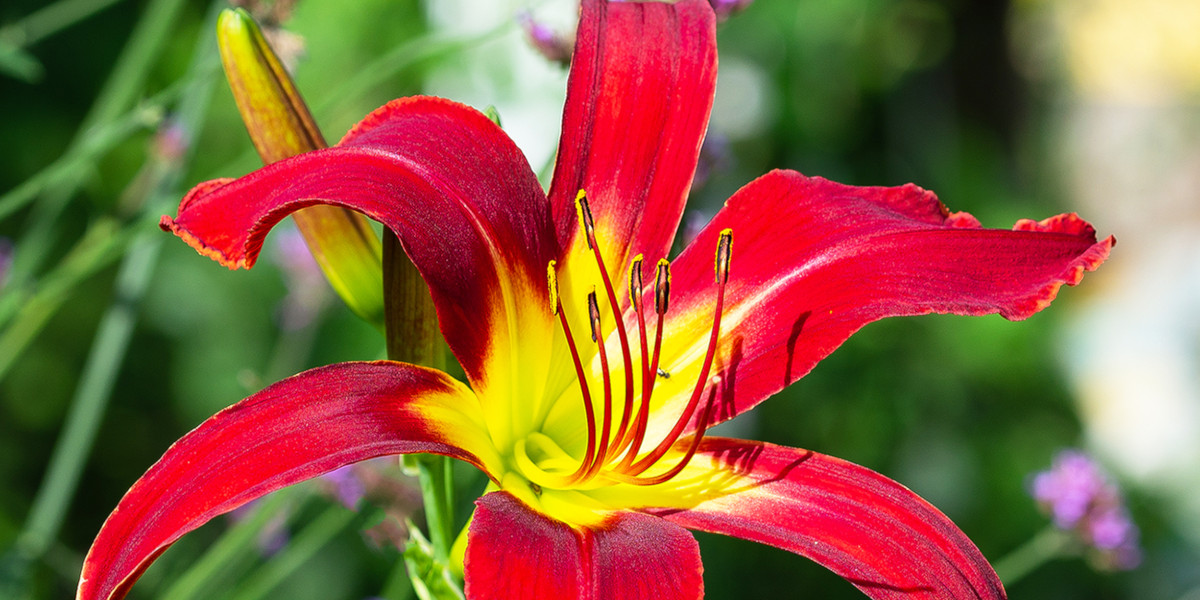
(1048, 544)
(120, 91)
(412, 336)
(398, 586)
(234, 546)
(91, 399)
(51, 19)
(116, 326)
(319, 532)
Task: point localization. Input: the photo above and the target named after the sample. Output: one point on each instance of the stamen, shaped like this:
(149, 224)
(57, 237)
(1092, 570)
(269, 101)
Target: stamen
(606, 427)
(724, 249)
(662, 287)
(590, 412)
(694, 445)
(589, 228)
(552, 284)
(662, 296)
(585, 216)
(635, 300)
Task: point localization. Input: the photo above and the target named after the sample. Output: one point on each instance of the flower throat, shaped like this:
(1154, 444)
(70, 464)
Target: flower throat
(614, 453)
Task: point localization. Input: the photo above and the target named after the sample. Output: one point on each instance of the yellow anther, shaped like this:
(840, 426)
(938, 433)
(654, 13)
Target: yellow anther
(552, 284)
(724, 248)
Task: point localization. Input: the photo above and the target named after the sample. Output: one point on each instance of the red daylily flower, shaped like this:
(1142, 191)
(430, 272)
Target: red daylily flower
(593, 377)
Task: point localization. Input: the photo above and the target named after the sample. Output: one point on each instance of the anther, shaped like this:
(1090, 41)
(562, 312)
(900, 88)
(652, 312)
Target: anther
(589, 228)
(662, 287)
(662, 298)
(585, 215)
(594, 315)
(724, 248)
(606, 424)
(589, 412)
(635, 284)
(552, 284)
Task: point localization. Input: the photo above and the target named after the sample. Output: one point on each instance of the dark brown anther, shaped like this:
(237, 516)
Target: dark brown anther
(662, 287)
(635, 284)
(594, 315)
(585, 216)
(724, 248)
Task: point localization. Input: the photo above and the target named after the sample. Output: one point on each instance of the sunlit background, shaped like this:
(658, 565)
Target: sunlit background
(112, 109)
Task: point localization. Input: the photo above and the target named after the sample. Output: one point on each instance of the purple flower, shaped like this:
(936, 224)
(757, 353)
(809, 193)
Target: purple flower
(1080, 497)
(6, 258)
(555, 46)
(308, 294)
(346, 486)
(274, 534)
(726, 8)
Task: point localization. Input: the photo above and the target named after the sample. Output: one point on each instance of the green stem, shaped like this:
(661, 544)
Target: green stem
(74, 165)
(99, 247)
(1048, 544)
(115, 330)
(236, 545)
(410, 324)
(398, 586)
(91, 400)
(119, 92)
(437, 489)
(316, 535)
(413, 52)
(50, 20)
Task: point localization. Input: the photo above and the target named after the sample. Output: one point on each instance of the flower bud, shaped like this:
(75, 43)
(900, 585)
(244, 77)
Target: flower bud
(280, 125)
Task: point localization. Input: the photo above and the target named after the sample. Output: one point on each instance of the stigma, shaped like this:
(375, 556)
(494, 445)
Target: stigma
(618, 450)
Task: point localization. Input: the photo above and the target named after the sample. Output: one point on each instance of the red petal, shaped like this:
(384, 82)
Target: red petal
(638, 99)
(515, 553)
(294, 430)
(872, 531)
(441, 175)
(814, 261)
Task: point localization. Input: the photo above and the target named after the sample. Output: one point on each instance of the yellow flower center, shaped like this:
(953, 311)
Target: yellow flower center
(617, 451)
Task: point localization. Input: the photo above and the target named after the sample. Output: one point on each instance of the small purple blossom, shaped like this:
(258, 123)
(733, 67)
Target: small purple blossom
(274, 535)
(171, 141)
(346, 486)
(6, 258)
(308, 294)
(1081, 498)
(726, 8)
(555, 46)
(715, 156)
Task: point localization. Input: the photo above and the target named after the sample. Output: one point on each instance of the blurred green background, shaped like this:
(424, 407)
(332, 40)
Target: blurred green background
(112, 109)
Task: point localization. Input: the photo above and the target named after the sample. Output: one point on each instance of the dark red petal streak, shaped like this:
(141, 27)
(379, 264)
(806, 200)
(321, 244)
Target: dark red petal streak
(514, 553)
(814, 261)
(294, 430)
(638, 99)
(872, 531)
(448, 181)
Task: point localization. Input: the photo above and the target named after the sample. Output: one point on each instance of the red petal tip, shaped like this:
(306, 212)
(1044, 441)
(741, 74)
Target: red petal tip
(1068, 224)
